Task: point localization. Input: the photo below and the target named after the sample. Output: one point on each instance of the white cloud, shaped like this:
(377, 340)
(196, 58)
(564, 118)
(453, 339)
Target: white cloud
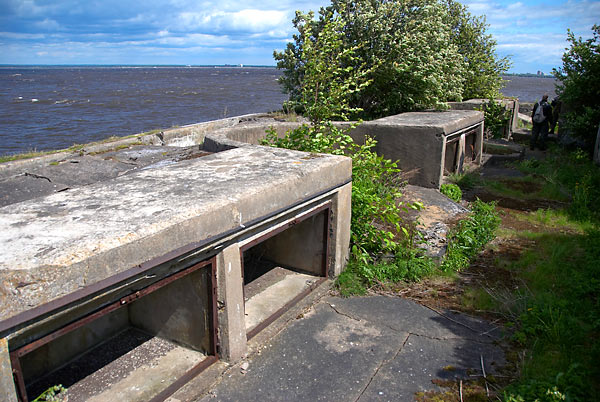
(247, 20)
(21, 36)
(48, 25)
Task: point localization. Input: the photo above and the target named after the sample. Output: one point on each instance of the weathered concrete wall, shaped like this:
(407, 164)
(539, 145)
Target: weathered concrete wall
(179, 312)
(62, 350)
(8, 393)
(301, 246)
(232, 325)
(243, 135)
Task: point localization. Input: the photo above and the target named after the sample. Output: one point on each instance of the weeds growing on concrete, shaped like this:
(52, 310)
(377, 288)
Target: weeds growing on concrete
(54, 393)
(470, 236)
(451, 191)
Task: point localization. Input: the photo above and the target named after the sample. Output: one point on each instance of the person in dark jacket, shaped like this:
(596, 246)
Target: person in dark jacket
(542, 124)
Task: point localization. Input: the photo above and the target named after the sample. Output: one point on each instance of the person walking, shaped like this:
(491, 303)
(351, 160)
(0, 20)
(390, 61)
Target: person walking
(541, 118)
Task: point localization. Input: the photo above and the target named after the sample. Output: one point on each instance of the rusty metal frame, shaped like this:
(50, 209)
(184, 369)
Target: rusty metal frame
(16, 354)
(326, 208)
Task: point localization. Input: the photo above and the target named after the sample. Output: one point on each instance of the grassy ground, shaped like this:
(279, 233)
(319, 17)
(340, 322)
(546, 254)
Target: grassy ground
(539, 279)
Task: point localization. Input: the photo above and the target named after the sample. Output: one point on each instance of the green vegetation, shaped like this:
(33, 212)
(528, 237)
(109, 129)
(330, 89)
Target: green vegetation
(375, 214)
(54, 393)
(394, 56)
(373, 58)
(451, 191)
(570, 174)
(466, 180)
(383, 247)
(552, 301)
(470, 236)
(560, 318)
(579, 85)
(496, 118)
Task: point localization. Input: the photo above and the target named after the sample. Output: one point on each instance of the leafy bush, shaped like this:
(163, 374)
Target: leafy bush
(496, 118)
(375, 184)
(470, 235)
(579, 85)
(451, 191)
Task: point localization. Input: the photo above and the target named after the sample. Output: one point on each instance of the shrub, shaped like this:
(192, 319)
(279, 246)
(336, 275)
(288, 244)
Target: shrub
(470, 235)
(496, 118)
(375, 184)
(415, 54)
(451, 191)
(579, 85)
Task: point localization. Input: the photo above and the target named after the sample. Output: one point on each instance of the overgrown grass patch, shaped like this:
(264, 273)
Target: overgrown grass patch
(573, 174)
(562, 319)
(470, 235)
(466, 181)
(408, 263)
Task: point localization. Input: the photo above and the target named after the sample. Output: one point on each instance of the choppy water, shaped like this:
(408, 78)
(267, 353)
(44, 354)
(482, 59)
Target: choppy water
(45, 108)
(50, 108)
(529, 89)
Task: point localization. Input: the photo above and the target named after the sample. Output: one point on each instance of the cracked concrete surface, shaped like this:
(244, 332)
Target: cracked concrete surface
(22, 183)
(374, 348)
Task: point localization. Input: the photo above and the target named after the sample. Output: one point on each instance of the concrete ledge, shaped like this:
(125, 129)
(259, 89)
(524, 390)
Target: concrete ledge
(192, 134)
(243, 135)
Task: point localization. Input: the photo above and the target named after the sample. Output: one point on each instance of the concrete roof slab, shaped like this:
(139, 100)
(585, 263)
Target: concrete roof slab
(25, 187)
(82, 171)
(445, 122)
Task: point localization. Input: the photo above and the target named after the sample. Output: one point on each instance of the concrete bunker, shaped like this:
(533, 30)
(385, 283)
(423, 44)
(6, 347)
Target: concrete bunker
(427, 145)
(258, 220)
(157, 259)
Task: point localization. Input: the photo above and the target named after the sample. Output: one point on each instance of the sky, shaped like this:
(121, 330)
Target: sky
(196, 32)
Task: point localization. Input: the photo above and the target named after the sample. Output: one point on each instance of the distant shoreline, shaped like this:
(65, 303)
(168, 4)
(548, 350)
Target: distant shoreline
(532, 75)
(133, 66)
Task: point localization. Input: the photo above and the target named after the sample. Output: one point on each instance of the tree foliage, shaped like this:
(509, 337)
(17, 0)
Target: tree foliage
(328, 78)
(579, 87)
(413, 54)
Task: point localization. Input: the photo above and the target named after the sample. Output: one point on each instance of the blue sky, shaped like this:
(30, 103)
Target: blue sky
(232, 32)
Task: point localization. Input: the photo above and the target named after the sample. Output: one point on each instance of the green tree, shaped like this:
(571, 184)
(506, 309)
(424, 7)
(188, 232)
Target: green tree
(329, 76)
(418, 53)
(579, 87)
(484, 69)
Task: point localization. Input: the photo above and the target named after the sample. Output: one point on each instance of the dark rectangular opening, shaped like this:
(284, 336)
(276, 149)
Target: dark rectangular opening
(451, 155)
(135, 348)
(283, 266)
(470, 146)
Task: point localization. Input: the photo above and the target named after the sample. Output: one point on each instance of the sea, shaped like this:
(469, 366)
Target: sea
(44, 108)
